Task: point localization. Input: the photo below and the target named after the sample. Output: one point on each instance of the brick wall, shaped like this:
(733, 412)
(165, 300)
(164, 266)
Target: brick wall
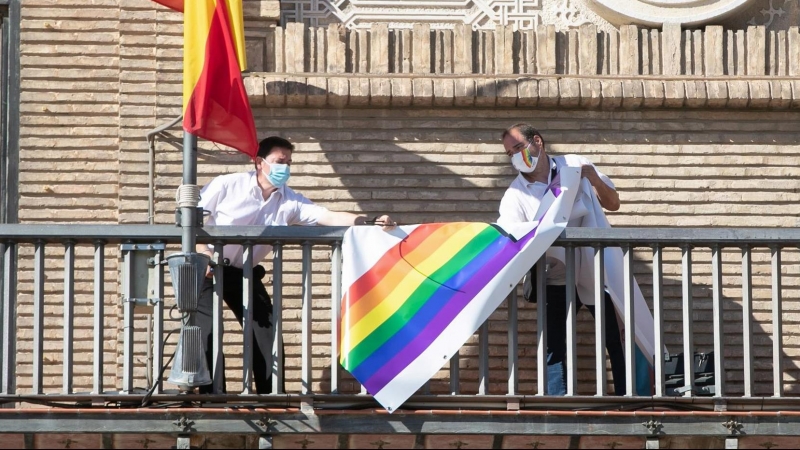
(69, 166)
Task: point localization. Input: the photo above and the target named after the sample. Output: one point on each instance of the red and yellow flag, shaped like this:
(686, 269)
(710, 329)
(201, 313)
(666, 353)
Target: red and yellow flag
(215, 104)
(177, 5)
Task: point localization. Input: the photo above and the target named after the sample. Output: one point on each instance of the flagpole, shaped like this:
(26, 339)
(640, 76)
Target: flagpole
(189, 208)
(188, 268)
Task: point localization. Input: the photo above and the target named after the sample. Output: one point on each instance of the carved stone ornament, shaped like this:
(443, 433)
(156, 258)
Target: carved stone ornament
(658, 12)
(441, 14)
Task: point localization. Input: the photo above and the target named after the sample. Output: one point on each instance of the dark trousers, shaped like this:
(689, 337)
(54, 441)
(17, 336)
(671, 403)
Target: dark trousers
(557, 338)
(262, 326)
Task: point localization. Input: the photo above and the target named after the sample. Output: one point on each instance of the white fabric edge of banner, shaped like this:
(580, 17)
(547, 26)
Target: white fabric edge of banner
(425, 366)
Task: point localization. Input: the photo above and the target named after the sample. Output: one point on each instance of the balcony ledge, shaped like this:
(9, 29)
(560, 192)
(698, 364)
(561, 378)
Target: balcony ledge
(317, 90)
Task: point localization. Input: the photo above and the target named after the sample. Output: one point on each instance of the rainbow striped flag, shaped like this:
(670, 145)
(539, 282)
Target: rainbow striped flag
(413, 296)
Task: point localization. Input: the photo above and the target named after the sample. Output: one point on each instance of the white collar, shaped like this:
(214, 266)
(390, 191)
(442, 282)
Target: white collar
(256, 189)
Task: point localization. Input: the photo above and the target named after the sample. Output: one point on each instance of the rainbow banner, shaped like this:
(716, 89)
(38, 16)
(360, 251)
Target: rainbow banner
(414, 296)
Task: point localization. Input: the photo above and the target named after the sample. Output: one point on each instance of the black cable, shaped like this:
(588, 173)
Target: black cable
(181, 318)
(172, 404)
(146, 398)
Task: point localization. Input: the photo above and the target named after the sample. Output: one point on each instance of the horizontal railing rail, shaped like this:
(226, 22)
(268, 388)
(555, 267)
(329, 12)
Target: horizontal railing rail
(36, 238)
(164, 233)
(587, 236)
(29, 233)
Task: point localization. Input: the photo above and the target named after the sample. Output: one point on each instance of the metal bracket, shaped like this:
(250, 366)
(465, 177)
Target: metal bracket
(654, 426)
(265, 423)
(733, 426)
(143, 301)
(198, 217)
(183, 423)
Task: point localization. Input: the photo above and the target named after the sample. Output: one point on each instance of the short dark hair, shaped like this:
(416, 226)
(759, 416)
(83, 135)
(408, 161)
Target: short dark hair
(526, 130)
(267, 144)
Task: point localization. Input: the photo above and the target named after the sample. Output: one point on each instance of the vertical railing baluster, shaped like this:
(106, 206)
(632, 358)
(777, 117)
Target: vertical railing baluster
(305, 374)
(688, 339)
(747, 320)
(158, 322)
(600, 321)
(455, 375)
(572, 309)
(513, 330)
(336, 306)
(2, 308)
(217, 327)
(9, 374)
(128, 304)
(777, 324)
(541, 327)
(99, 313)
(483, 359)
(69, 314)
(630, 324)
(247, 319)
(717, 308)
(38, 316)
(277, 318)
(658, 319)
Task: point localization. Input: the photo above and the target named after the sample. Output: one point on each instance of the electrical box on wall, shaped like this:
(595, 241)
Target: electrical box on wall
(142, 274)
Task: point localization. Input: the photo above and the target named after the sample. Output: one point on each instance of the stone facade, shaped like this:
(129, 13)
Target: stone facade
(697, 127)
(530, 14)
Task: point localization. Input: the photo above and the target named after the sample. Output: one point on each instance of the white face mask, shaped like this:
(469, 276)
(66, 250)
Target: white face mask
(524, 161)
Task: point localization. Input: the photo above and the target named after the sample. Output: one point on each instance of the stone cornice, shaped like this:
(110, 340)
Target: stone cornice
(554, 91)
(667, 52)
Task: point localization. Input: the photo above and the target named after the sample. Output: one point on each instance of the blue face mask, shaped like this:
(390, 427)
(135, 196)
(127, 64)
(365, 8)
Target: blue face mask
(278, 174)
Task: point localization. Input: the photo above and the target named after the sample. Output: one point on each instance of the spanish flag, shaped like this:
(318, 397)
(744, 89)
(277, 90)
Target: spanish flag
(177, 5)
(215, 105)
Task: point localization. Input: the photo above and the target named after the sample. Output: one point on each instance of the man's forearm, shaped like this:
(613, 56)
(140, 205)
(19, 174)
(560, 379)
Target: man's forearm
(203, 248)
(608, 197)
(344, 219)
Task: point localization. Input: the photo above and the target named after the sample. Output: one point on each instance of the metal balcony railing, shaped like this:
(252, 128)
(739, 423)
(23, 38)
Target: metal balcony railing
(34, 240)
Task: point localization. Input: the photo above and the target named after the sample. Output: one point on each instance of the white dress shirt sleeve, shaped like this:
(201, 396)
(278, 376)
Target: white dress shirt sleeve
(305, 211)
(210, 196)
(511, 210)
(602, 176)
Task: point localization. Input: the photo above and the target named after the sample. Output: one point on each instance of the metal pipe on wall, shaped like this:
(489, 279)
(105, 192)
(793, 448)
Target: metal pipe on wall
(151, 219)
(151, 165)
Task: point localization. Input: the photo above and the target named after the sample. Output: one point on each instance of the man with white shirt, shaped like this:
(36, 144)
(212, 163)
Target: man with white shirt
(520, 203)
(258, 197)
